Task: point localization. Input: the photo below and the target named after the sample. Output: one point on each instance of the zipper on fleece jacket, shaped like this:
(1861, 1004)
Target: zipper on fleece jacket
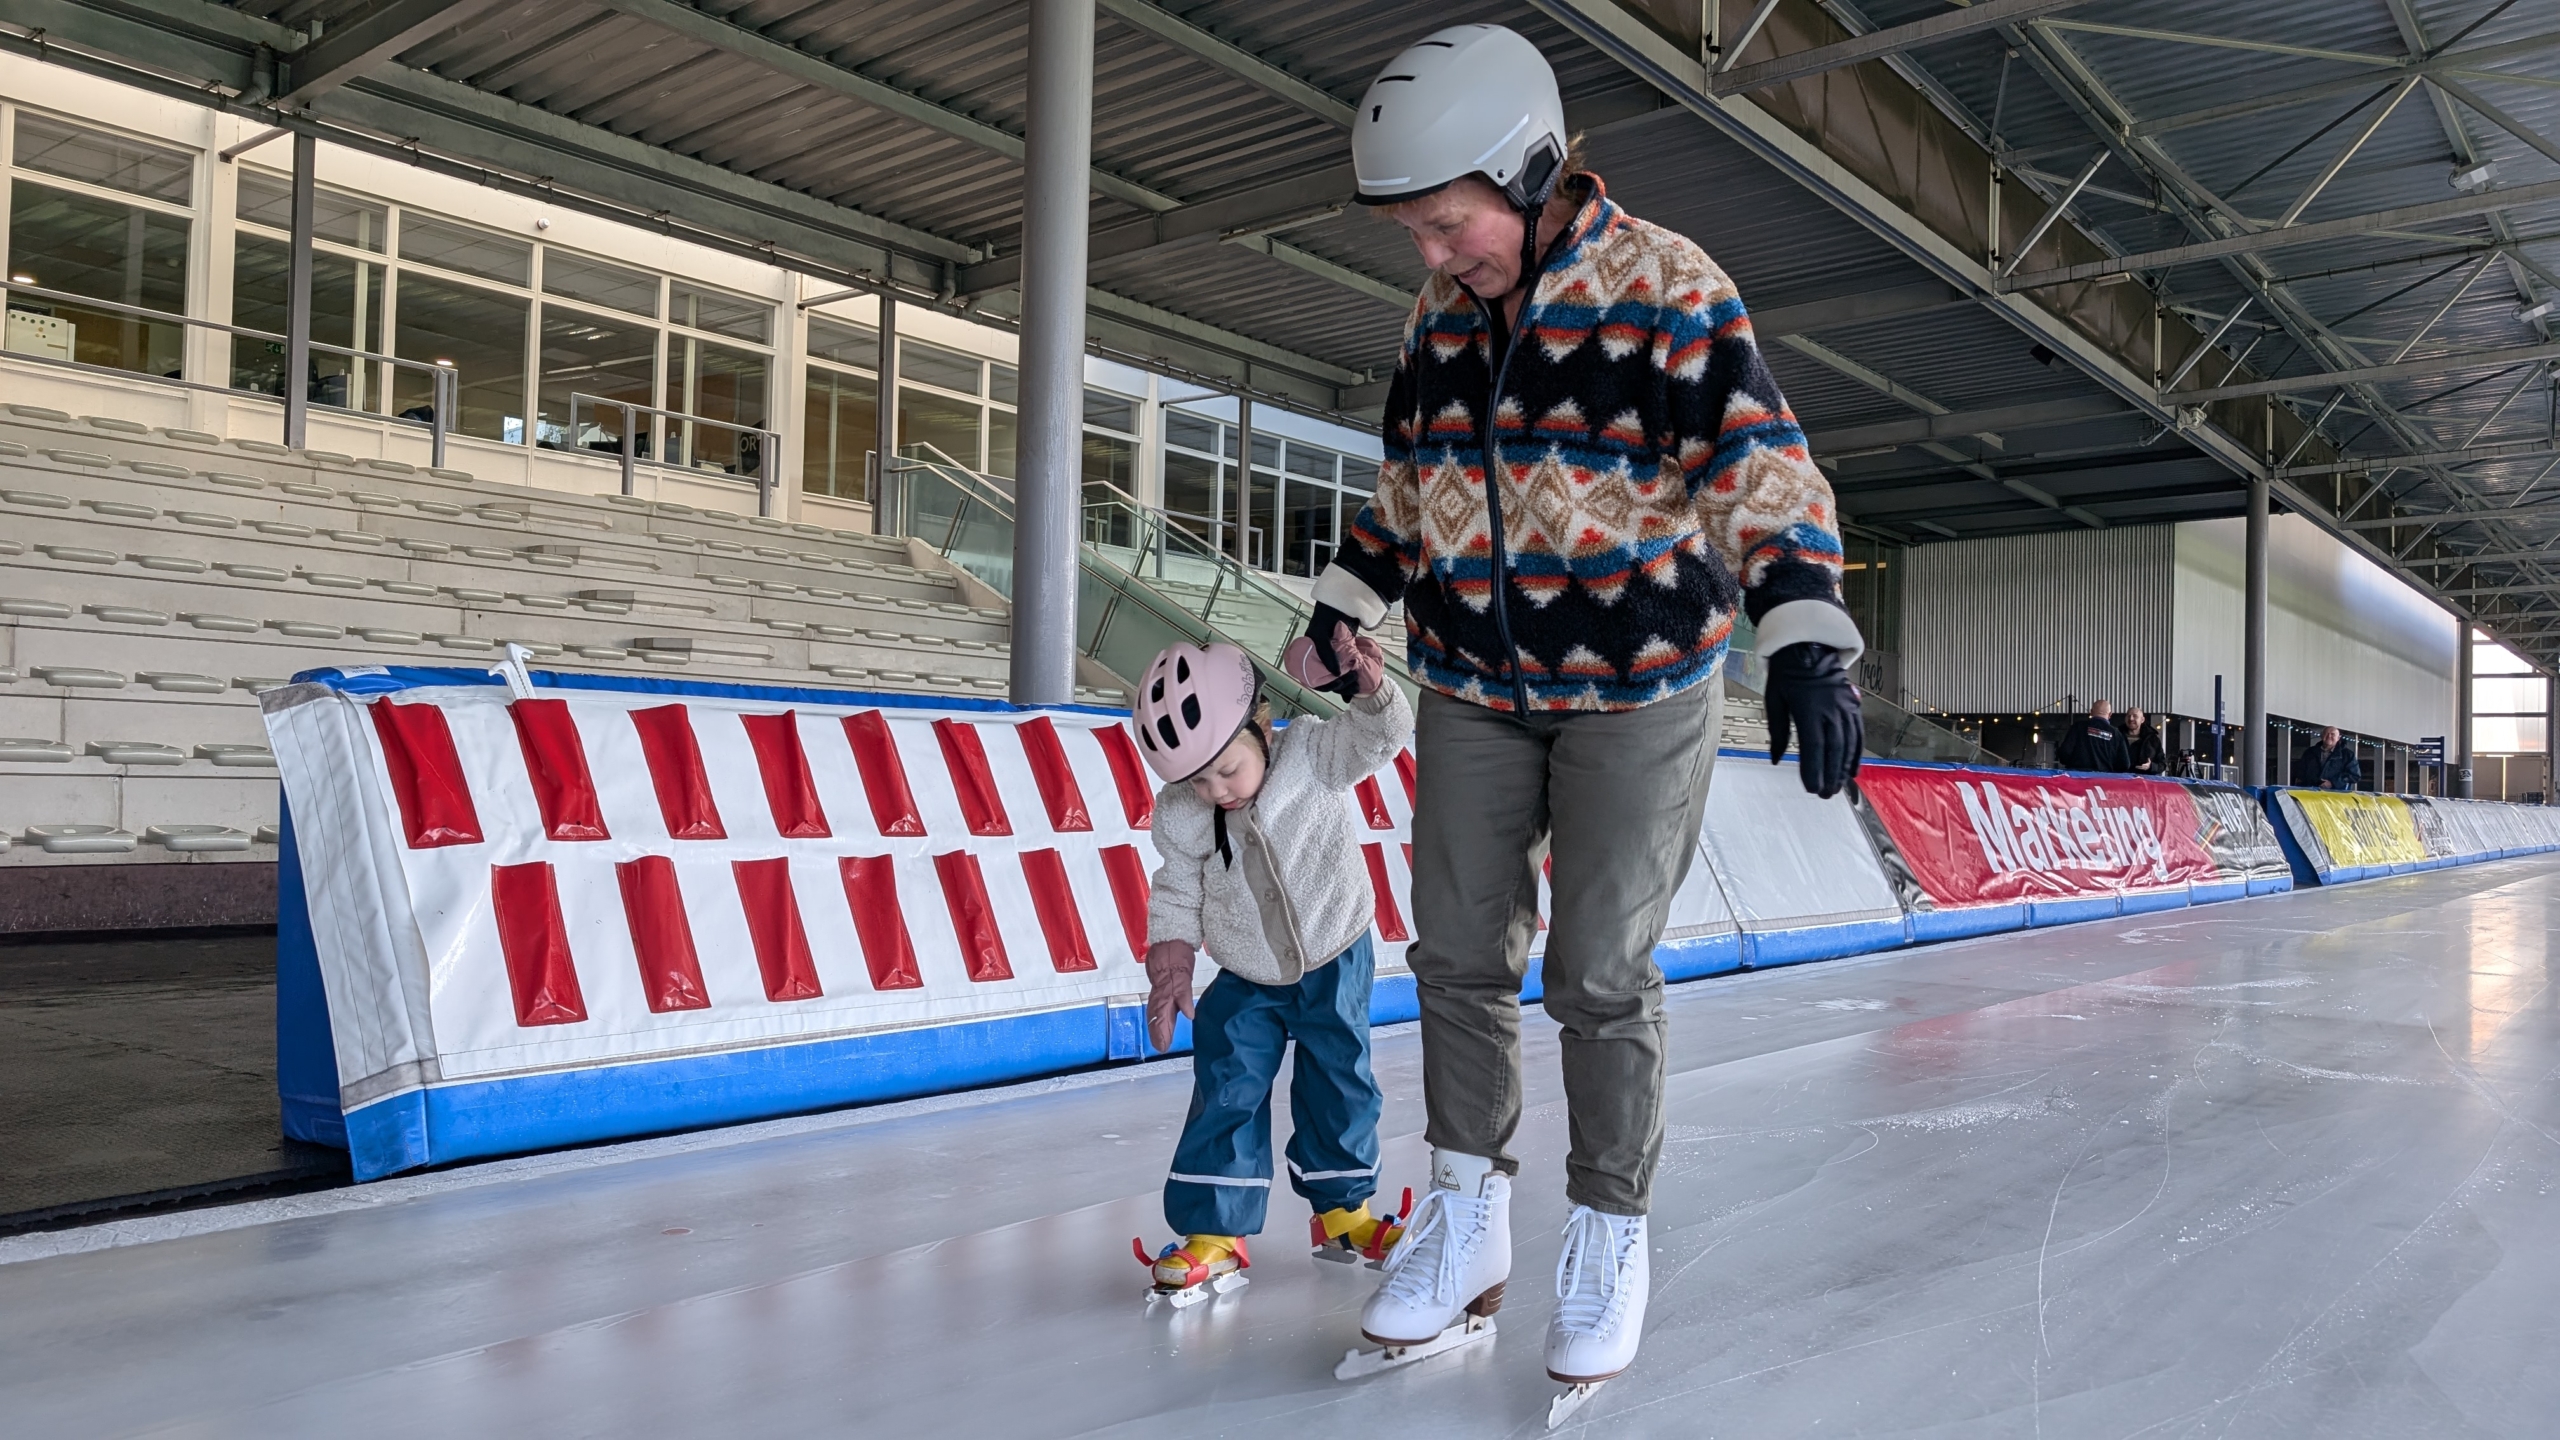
(1503, 338)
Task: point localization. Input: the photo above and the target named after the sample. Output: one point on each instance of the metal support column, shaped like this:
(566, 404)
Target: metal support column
(2253, 643)
(1056, 211)
(1244, 479)
(2459, 742)
(885, 519)
(297, 283)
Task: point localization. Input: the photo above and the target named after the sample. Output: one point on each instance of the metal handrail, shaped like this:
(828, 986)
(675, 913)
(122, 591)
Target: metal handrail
(766, 453)
(442, 376)
(976, 490)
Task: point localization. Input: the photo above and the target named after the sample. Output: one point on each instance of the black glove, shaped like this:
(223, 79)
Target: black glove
(1810, 692)
(1320, 630)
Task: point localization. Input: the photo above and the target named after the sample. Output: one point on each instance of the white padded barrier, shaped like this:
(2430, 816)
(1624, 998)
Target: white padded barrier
(1798, 874)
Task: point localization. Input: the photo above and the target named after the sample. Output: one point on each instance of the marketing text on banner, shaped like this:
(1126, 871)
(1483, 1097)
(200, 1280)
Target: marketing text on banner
(1980, 838)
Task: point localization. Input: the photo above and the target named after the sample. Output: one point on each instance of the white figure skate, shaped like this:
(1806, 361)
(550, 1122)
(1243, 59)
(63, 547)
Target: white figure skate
(1444, 1279)
(1603, 1279)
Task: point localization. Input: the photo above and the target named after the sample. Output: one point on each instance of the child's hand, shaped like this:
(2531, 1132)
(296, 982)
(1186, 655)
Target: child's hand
(1169, 967)
(1362, 661)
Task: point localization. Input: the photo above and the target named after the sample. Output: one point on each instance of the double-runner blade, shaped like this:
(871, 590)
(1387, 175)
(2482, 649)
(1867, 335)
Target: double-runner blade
(1359, 1364)
(1562, 1407)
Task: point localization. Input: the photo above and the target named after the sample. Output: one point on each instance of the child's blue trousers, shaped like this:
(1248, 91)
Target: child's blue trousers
(1221, 1180)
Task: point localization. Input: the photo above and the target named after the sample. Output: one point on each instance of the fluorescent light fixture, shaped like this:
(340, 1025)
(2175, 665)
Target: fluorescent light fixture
(22, 279)
(2530, 313)
(2475, 176)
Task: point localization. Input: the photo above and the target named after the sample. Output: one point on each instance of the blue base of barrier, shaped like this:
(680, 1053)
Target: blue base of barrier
(2144, 902)
(473, 1120)
(2041, 913)
(2199, 894)
(1928, 925)
(1763, 949)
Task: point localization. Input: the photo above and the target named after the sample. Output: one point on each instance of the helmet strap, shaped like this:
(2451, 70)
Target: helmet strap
(1532, 191)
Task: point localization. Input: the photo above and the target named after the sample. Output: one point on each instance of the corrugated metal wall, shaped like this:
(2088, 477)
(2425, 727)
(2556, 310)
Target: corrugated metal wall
(2015, 624)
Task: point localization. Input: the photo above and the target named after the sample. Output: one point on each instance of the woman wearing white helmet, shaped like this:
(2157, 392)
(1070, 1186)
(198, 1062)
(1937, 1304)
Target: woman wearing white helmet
(1568, 622)
(1262, 870)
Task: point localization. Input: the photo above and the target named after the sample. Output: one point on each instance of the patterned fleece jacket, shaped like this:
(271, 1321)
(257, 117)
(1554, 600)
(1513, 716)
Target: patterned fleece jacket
(1644, 460)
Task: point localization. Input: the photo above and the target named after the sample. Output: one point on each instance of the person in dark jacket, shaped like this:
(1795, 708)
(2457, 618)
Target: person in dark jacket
(2091, 742)
(2329, 764)
(2144, 753)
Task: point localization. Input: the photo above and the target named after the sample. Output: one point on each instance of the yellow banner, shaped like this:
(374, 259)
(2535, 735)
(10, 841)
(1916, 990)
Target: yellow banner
(2360, 829)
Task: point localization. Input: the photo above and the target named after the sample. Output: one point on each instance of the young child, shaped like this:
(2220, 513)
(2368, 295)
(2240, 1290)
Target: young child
(1261, 869)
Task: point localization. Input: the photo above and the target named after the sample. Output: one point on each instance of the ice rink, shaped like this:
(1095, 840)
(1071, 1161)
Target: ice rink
(2267, 1169)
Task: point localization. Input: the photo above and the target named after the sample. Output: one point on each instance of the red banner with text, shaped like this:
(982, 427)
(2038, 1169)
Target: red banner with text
(1973, 837)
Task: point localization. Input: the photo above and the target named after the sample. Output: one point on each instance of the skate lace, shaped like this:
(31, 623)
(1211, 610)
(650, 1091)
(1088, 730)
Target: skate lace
(1589, 1294)
(1439, 1240)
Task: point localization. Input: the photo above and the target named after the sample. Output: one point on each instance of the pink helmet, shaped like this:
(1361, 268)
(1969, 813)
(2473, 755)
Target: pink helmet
(1191, 702)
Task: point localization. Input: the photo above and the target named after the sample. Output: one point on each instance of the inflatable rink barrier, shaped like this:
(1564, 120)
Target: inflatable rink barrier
(623, 906)
(620, 907)
(2337, 836)
(1974, 850)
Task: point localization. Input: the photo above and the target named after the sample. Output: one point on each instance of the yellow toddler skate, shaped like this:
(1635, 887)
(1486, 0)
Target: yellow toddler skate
(1352, 1237)
(1190, 1271)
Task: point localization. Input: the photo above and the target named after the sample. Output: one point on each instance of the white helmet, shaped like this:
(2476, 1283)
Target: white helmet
(1468, 100)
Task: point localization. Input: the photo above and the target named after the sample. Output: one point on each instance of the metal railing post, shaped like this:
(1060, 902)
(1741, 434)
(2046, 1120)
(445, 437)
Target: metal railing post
(630, 449)
(440, 416)
(764, 471)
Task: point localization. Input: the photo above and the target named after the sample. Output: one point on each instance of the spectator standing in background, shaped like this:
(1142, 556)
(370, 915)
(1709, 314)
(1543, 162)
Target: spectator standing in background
(2144, 754)
(2091, 742)
(2331, 764)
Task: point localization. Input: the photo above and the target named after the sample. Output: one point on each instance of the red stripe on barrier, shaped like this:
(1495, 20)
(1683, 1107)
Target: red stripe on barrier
(675, 772)
(661, 936)
(1128, 872)
(426, 775)
(1050, 771)
(1055, 901)
(1129, 773)
(773, 923)
(1405, 773)
(871, 888)
(535, 942)
(1373, 803)
(785, 767)
(556, 761)
(1390, 919)
(884, 775)
(971, 781)
(964, 889)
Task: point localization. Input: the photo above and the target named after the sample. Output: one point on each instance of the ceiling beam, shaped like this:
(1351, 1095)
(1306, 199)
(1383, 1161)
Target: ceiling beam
(2371, 81)
(1958, 424)
(2537, 449)
(369, 41)
(1245, 211)
(795, 63)
(1891, 303)
(2347, 226)
(1236, 60)
(1312, 264)
(2369, 374)
(1876, 44)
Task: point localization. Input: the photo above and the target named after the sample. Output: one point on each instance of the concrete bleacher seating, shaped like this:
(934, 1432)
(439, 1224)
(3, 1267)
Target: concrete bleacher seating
(153, 581)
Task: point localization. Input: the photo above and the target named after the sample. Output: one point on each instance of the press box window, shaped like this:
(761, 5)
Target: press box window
(466, 251)
(107, 250)
(358, 224)
(74, 152)
(575, 277)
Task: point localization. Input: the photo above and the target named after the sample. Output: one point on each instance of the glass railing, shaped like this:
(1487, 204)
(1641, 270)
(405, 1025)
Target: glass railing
(1892, 732)
(1122, 620)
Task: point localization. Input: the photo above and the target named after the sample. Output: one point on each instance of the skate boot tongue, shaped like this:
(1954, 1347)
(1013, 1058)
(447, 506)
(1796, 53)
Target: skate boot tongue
(1465, 1174)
